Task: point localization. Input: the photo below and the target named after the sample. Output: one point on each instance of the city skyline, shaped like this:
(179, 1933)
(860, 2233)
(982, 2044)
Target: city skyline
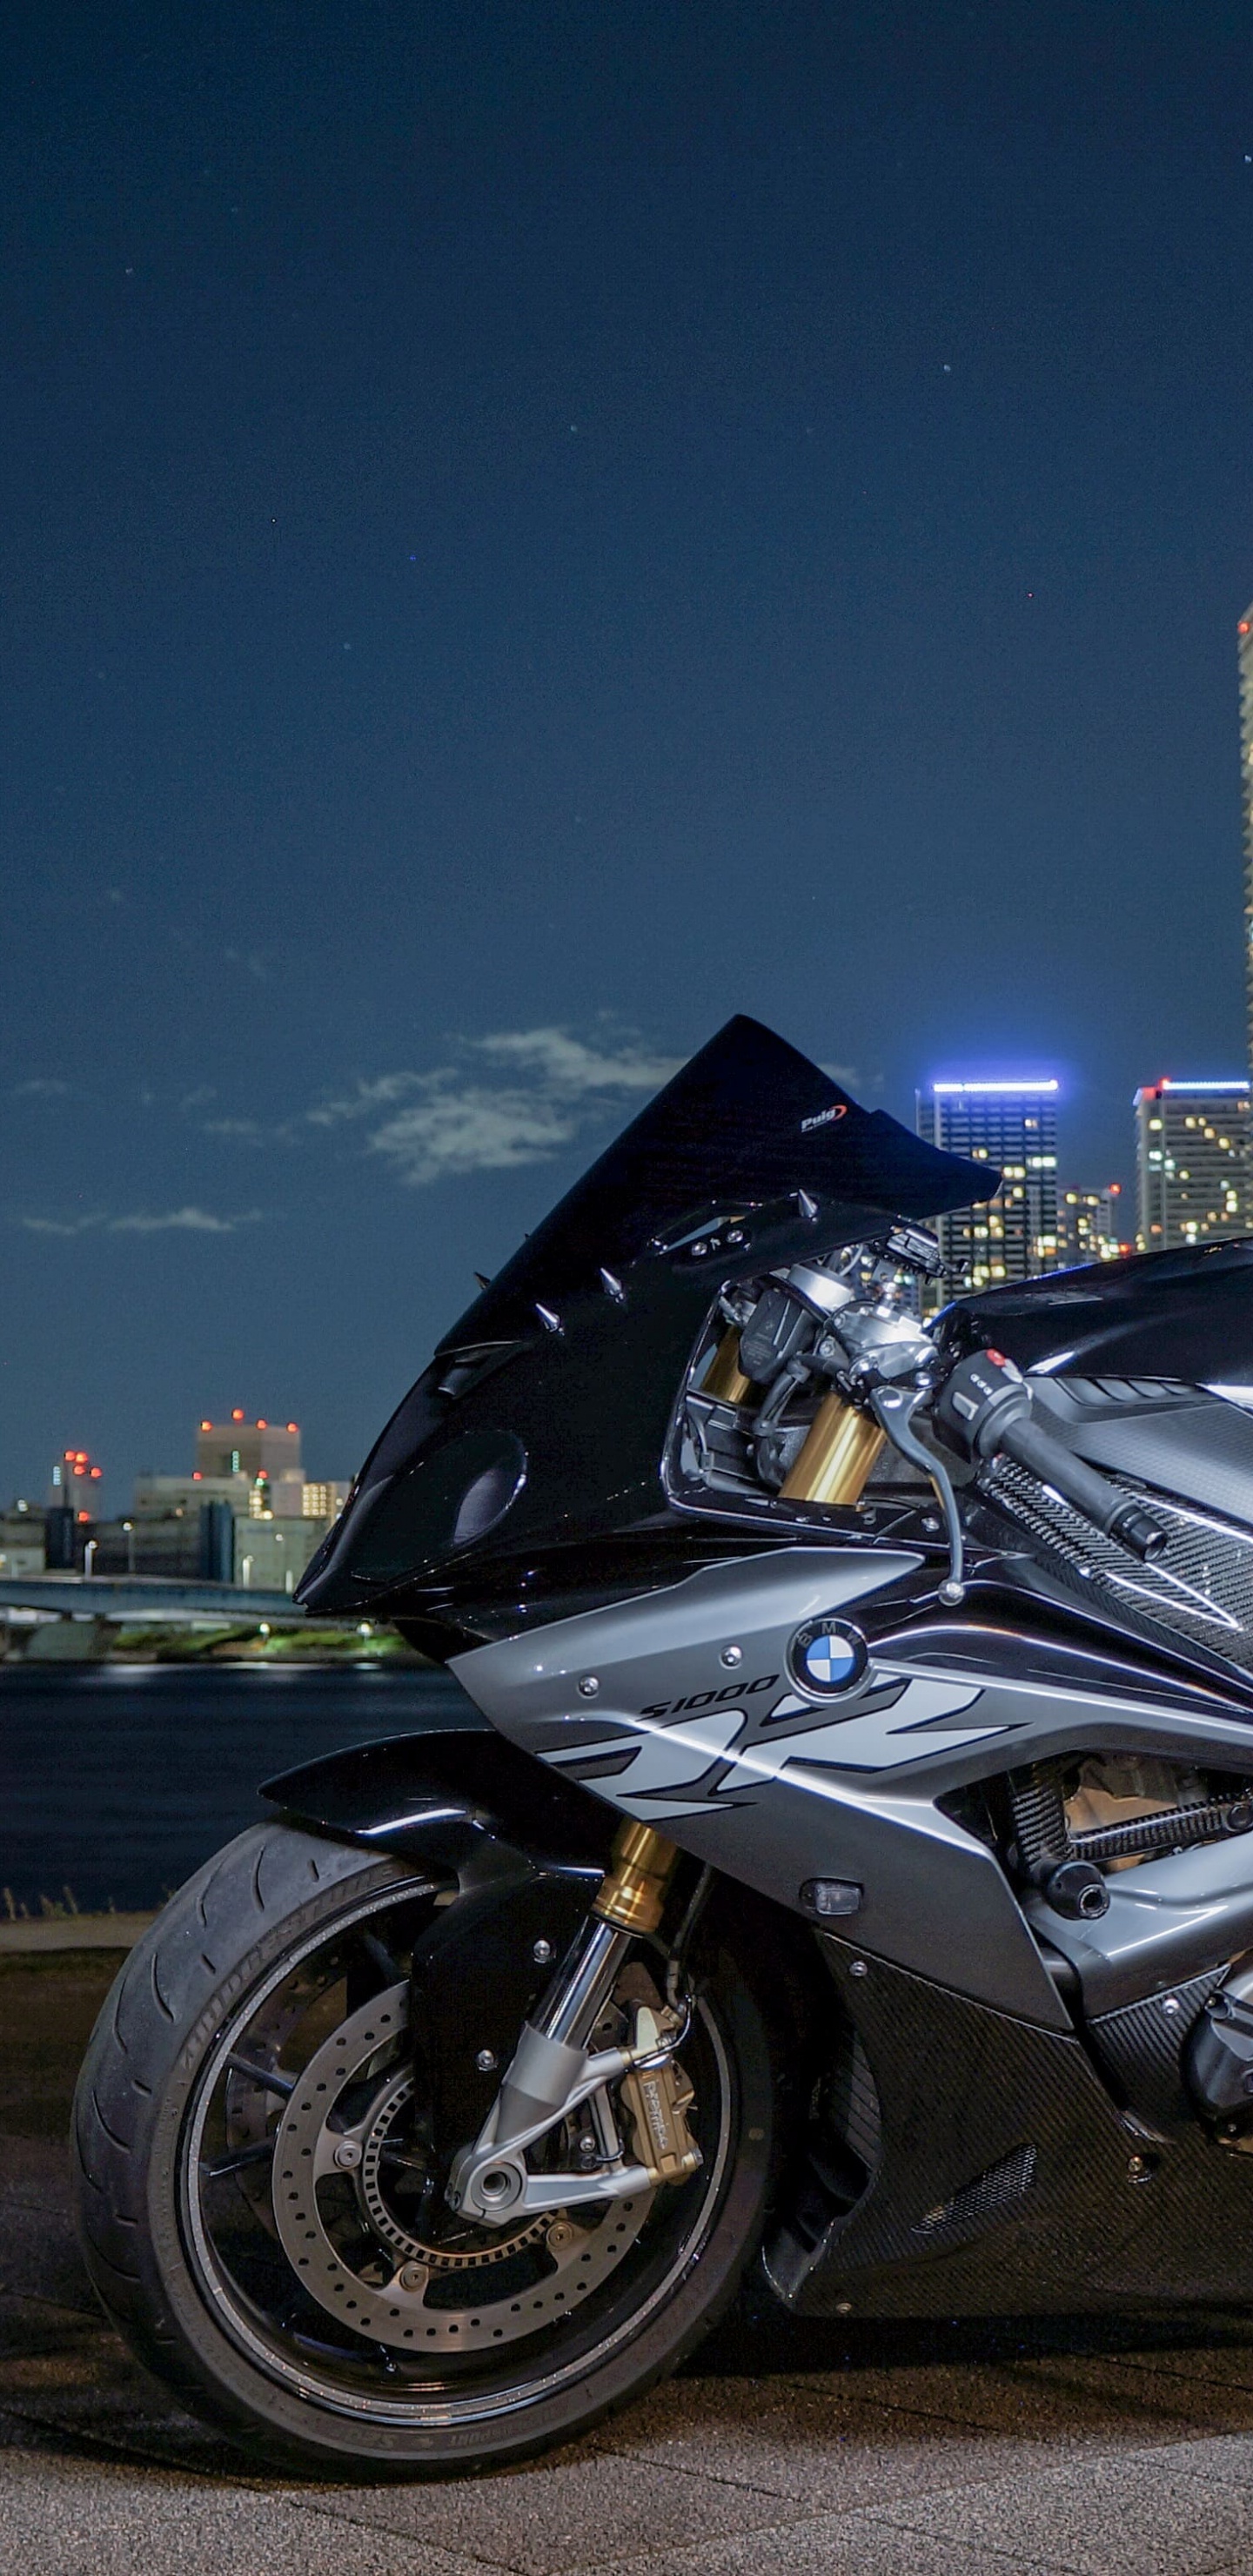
(495, 588)
(1064, 1217)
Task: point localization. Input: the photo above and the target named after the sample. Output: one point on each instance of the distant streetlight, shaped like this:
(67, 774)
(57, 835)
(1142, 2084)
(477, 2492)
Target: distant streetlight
(129, 1528)
(89, 1560)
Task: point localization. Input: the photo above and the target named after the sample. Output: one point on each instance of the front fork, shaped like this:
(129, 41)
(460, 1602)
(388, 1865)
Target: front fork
(553, 2072)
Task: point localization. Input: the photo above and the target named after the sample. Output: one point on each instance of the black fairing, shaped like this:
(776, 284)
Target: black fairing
(542, 1420)
(1155, 1315)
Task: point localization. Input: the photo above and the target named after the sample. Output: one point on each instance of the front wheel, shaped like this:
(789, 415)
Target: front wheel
(261, 2218)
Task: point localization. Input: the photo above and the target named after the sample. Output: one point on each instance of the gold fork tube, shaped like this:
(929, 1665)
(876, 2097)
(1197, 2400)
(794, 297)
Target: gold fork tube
(633, 1889)
(840, 1449)
(724, 1378)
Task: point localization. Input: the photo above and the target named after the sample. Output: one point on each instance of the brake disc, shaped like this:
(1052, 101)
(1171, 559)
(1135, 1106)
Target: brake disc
(323, 2141)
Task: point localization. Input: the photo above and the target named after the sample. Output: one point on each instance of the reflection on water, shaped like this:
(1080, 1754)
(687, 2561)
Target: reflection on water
(117, 1780)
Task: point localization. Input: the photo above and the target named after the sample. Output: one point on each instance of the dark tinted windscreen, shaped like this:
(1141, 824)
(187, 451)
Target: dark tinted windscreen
(748, 1118)
(544, 1416)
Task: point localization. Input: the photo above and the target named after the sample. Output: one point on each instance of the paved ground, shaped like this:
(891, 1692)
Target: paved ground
(786, 2449)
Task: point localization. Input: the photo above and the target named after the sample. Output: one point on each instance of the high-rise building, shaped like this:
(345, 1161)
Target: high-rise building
(75, 1484)
(267, 1453)
(1244, 637)
(1012, 1125)
(1090, 1225)
(1192, 1162)
(236, 1447)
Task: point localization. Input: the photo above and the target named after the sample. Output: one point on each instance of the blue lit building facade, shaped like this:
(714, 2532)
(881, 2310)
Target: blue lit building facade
(1013, 1126)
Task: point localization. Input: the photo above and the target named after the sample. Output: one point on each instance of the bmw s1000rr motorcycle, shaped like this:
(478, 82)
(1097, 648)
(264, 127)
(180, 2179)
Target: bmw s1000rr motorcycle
(852, 1868)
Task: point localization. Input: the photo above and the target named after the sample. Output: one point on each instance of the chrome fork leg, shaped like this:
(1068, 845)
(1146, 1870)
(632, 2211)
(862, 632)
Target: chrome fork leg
(583, 1984)
(549, 2068)
(629, 1900)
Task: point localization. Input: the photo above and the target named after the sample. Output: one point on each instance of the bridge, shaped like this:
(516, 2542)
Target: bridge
(130, 1597)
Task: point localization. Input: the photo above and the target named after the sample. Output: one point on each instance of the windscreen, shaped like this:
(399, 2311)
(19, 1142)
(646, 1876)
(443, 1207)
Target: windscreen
(750, 1119)
(544, 1414)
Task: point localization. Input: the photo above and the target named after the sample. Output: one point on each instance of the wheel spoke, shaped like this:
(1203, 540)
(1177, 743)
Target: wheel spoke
(259, 2154)
(267, 2075)
(385, 1960)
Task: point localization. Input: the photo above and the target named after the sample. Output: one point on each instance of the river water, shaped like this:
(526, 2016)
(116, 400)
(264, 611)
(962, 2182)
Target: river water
(117, 1780)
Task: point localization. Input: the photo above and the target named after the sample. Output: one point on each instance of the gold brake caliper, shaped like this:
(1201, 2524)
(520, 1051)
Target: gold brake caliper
(657, 2100)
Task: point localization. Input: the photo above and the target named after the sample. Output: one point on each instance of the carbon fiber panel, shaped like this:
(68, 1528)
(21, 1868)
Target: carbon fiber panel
(1140, 2049)
(1007, 2131)
(1200, 1587)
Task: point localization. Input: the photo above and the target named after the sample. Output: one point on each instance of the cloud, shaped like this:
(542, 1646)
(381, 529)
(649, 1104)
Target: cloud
(368, 1096)
(517, 1096)
(563, 1062)
(40, 1089)
(184, 1220)
(53, 1225)
(471, 1129)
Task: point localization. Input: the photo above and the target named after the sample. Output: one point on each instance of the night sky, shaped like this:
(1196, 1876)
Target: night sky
(529, 528)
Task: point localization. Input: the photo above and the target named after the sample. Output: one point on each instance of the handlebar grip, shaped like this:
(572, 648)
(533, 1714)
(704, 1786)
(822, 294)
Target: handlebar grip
(1103, 1503)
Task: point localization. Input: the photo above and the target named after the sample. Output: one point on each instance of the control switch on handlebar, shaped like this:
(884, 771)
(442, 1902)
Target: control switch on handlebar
(984, 1411)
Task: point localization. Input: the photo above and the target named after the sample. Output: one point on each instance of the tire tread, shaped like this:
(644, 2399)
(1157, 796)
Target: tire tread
(158, 1995)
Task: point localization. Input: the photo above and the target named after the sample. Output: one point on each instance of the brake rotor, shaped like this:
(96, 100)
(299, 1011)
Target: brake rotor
(319, 2145)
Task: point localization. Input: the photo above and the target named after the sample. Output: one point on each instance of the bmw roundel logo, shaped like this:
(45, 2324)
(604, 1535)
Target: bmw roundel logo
(827, 1656)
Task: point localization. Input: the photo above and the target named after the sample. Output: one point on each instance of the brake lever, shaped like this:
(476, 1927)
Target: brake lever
(894, 1409)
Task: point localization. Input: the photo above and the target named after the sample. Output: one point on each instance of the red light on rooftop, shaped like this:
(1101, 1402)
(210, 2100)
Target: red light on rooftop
(1243, 627)
(293, 1426)
(84, 1516)
(238, 1414)
(195, 1476)
(97, 1471)
(262, 1426)
(206, 1426)
(69, 1453)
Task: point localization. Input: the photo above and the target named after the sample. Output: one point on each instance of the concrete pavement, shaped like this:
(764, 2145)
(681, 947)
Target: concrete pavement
(810, 2451)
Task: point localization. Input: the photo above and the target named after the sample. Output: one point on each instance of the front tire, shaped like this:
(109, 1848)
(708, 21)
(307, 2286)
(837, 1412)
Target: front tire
(288, 1948)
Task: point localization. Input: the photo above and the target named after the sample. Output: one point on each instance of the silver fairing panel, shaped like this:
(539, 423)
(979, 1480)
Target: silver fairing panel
(682, 1708)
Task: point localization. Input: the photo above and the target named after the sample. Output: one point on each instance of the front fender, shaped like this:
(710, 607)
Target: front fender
(463, 1804)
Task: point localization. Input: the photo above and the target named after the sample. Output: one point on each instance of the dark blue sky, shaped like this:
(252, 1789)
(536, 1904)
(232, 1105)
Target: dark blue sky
(530, 528)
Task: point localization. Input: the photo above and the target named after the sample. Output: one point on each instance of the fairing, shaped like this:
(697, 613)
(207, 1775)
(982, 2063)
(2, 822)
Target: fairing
(1155, 1315)
(543, 1418)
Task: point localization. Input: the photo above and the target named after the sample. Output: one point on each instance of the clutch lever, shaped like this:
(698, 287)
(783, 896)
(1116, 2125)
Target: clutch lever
(894, 1408)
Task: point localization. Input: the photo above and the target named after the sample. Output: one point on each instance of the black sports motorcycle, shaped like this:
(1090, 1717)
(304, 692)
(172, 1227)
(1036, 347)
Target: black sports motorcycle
(854, 1862)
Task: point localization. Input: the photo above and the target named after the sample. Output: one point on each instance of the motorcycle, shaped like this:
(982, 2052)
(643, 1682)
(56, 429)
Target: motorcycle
(848, 1870)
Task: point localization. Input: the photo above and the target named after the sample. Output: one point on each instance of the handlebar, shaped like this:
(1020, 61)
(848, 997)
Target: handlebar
(984, 1410)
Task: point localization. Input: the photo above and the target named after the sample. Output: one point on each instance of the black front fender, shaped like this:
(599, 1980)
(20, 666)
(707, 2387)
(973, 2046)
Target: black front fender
(464, 1804)
(515, 1855)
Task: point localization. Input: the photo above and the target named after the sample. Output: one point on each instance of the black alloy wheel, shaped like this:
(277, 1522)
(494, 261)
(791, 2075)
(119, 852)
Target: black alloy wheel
(264, 2217)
